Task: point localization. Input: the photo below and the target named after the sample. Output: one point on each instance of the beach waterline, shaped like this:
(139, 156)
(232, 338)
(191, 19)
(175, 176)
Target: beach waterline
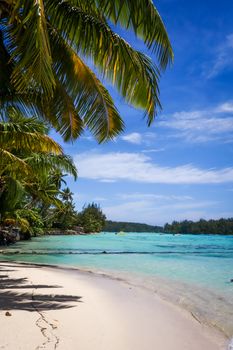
(192, 271)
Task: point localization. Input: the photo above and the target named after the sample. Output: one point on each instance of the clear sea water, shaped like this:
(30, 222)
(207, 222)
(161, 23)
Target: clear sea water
(192, 270)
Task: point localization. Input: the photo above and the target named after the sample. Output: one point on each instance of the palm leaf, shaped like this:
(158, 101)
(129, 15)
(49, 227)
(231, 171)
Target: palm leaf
(12, 193)
(42, 192)
(35, 76)
(26, 134)
(30, 48)
(144, 19)
(91, 99)
(139, 15)
(63, 115)
(11, 163)
(133, 73)
(5, 68)
(28, 141)
(43, 163)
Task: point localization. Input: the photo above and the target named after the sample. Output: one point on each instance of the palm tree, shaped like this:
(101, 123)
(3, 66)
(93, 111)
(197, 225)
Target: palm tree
(44, 49)
(65, 215)
(43, 187)
(28, 159)
(66, 195)
(20, 135)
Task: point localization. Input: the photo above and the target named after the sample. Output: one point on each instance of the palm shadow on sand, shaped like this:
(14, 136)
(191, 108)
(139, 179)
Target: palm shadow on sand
(20, 294)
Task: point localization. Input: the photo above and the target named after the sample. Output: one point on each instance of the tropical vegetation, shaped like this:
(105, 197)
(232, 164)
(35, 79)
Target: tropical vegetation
(54, 57)
(31, 170)
(91, 218)
(45, 46)
(116, 226)
(221, 226)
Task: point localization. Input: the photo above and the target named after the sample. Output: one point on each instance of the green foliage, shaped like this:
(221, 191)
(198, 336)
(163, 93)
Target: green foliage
(91, 218)
(221, 226)
(44, 47)
(31, 173)
(116, 226)
(65, 216)
(36, 225)
(32, 216)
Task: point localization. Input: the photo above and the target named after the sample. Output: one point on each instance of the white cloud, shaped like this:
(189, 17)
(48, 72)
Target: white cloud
(153, 197)
(107, 180)
(134, 138)
(223, 59)
(207, 124)
(99, 199)
(138, 167)
(150, 212)
(201, 125)
(153, 150)
(226, 107)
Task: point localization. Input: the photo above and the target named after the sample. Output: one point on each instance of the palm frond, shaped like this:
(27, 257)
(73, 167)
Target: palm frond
(143, 17)
(47, 193)
(91, 99)
(139, 15)
(12, 193)
(63, 115)
(17, 121)
(30, 48)
(5, 68)
(26, 134)
(12, 164)
(133, 73)
(26, 104)
(29, 142)
(43, 163)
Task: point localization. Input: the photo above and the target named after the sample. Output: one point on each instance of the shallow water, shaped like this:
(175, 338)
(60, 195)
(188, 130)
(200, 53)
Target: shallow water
(193, 270)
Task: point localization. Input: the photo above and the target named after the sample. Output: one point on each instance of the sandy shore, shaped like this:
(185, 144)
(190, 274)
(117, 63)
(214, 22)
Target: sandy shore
(51, 308)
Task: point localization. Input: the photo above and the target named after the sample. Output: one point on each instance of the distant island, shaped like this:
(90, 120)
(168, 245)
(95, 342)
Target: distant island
(221, 226)
(116, 226)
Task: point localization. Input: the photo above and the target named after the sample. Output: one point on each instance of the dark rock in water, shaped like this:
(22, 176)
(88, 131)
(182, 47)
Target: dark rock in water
(8, 313)
(231, 280)
(77, 230)
(104, 252)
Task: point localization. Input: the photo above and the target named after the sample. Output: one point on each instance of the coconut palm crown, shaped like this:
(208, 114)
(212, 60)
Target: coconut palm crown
(29, 162)
(44, 49)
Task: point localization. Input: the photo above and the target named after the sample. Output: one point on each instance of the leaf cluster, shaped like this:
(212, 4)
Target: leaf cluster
(91, 218)
(45, 46)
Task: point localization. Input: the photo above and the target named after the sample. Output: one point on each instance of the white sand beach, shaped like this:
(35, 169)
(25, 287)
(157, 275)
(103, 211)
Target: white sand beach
(55, 308)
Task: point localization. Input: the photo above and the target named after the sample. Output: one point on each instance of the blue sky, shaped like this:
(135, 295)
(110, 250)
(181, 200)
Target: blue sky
(182, 166)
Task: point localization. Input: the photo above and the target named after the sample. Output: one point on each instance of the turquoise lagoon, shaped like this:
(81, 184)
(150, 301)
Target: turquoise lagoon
(192, 270)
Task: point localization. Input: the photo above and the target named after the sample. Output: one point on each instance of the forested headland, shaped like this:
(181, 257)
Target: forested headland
(221, 226)
(116, 226)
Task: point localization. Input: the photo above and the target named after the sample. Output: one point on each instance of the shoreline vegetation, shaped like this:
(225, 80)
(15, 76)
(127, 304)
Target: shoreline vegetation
(220, 227)
(65, 303)
(94, 221)
(46, 85)
(65, 220)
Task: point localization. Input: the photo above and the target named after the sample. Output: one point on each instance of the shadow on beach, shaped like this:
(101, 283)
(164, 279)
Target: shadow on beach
(21, 294)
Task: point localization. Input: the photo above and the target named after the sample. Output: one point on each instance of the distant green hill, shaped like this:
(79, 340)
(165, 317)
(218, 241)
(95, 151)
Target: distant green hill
(221, 226)
(116, 226)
